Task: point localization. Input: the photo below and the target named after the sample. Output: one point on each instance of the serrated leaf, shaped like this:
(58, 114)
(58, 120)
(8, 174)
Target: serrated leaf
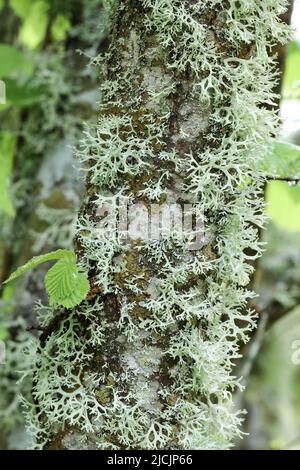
(60, 280)
(37, 260)
(64, 283)
(78, 294)
(283, 162)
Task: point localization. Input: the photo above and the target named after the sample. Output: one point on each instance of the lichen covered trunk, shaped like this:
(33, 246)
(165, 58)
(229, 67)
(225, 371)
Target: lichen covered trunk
(146, 361)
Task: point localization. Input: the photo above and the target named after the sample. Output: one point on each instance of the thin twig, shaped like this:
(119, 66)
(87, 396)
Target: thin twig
(282, 178)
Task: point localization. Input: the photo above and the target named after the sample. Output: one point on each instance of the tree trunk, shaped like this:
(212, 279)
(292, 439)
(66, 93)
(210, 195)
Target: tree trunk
(145, 362)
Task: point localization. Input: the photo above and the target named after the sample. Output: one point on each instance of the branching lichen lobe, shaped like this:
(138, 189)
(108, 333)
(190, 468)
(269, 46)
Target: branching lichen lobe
(183, 118)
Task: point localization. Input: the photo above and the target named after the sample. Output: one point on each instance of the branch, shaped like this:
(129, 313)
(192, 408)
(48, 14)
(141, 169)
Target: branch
(290, 179)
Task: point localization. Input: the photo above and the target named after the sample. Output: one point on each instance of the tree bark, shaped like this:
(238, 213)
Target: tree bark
(145, 362)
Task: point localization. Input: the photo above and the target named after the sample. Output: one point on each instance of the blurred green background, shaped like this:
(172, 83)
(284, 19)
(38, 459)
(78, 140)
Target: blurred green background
(45, 50)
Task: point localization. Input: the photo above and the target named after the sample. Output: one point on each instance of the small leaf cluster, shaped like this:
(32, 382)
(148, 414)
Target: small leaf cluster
(65, 284)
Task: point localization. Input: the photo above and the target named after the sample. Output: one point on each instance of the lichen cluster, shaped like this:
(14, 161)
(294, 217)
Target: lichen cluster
(146, 362)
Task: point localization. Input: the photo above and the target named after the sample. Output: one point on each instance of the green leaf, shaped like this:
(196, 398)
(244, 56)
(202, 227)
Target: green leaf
(7, 151)
(8, 295)
(80, 292)
(35, 24)
(11, 60)
(23, 95)
(60, 28)
(292, 66)
(37, 260)
(3, 333)
(21, 7)
(283, 205)
(64, 283)
(284, 162)
(284, 199)
(60, 280)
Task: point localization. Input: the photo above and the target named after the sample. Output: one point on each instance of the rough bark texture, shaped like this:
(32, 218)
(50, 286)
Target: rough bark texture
(146, 361)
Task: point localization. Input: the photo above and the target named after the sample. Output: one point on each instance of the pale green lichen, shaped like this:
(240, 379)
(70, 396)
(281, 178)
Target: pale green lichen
(158, 305)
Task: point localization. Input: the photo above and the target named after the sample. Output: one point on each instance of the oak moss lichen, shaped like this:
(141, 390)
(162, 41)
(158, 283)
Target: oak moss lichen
(146, 362)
